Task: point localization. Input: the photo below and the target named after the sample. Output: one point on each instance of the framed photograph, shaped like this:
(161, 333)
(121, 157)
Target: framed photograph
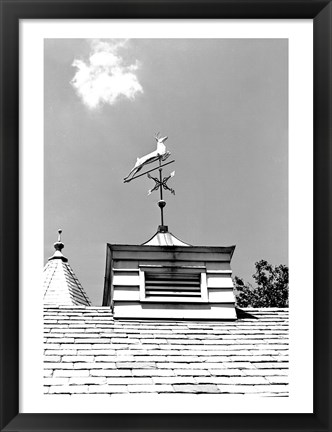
(222, 114)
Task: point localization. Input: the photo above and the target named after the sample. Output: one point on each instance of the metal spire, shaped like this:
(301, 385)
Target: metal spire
(58, 246)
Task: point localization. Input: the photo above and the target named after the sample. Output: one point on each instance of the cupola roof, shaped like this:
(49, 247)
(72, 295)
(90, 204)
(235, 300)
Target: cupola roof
(164, 238)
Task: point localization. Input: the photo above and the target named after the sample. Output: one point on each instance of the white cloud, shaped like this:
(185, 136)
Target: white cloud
(105, 77)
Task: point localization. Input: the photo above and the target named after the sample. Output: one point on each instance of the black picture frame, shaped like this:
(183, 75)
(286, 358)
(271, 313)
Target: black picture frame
(11, 12)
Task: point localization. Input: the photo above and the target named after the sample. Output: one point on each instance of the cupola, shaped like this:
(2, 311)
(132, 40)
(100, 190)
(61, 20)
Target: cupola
(166, 277)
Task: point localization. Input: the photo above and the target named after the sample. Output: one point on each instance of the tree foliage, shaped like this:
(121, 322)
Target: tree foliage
(271, 288)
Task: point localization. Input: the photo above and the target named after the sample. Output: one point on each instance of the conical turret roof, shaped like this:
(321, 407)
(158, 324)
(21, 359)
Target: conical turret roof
(61, 286)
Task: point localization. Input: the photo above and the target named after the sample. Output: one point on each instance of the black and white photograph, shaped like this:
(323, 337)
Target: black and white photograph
(165, 220)
(166, 179)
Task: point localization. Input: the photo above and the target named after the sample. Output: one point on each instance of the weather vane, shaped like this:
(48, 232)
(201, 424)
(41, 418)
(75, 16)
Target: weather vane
(159, 155)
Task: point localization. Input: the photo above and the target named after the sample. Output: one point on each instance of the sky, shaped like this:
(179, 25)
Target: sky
(223, 103)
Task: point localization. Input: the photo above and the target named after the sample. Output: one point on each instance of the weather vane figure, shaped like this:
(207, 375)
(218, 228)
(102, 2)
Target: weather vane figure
(159, 155)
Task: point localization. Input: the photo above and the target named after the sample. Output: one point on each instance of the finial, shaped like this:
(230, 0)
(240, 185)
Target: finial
(58, 246)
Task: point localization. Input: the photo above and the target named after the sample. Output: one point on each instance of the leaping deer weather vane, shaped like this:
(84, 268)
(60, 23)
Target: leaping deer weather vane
(159, 155)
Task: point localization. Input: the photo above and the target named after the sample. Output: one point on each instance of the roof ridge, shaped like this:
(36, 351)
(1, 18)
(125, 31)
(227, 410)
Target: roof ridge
(78, 283)
(51, 277)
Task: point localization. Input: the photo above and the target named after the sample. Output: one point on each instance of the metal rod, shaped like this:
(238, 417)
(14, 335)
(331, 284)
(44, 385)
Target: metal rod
(161, 192)
(153, 169)
(161, 180)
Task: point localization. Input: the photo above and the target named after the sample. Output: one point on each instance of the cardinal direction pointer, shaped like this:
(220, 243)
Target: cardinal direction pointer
(162, 183)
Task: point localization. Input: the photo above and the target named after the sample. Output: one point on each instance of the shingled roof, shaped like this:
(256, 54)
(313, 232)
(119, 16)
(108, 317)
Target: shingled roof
(87, 351)
(61, 286)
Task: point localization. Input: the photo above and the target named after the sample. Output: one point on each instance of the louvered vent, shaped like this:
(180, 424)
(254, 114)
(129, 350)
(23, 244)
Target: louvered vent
(173, 284)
